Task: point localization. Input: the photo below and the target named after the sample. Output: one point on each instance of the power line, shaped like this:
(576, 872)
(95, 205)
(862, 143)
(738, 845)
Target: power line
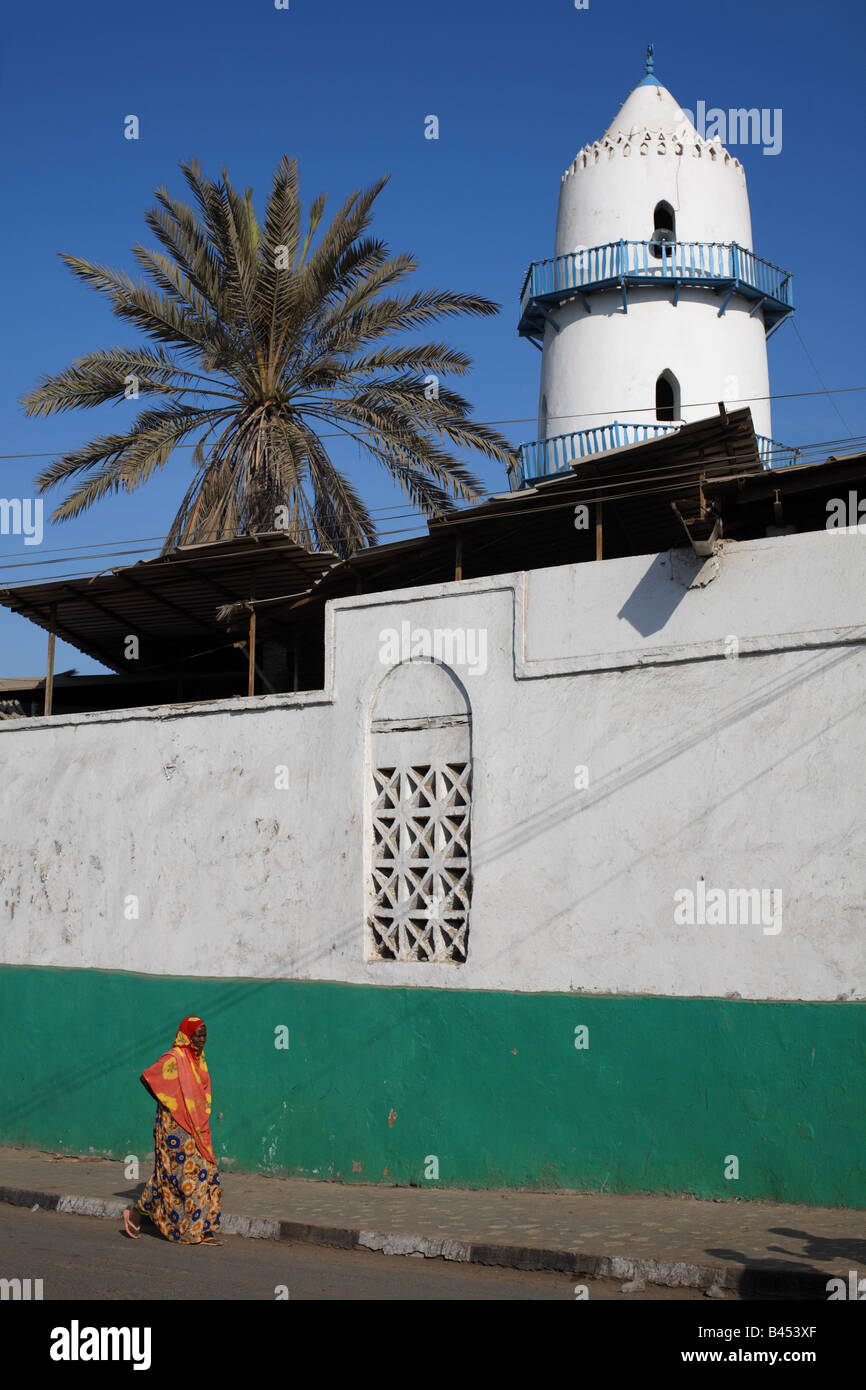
(415, 522)
(820, 378)
(588, 489)
(412, 520)
(95, 546)
(97, 550)
(569, 415)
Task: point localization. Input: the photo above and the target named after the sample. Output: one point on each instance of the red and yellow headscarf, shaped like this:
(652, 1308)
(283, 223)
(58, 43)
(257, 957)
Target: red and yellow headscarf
(180, 1081)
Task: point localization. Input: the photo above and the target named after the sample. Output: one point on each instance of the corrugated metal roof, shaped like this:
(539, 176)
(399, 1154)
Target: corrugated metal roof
(169, 602)
(20, 683)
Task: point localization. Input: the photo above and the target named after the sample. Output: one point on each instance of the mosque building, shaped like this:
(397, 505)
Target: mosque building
(655, 305)
(526, 853)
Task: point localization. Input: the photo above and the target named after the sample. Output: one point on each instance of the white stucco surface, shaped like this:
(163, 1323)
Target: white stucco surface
(603, 366)
(744, 771)
(611, 188)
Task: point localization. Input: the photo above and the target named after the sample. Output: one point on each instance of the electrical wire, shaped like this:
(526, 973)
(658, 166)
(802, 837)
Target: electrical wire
(820, 378)
(586, 486)
(569, 415)
(101, 549)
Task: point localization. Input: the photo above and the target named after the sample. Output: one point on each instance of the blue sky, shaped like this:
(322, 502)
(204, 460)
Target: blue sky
(518, 88)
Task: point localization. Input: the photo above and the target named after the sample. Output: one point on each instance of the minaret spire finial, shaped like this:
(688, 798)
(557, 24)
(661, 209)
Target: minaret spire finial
(649, 60)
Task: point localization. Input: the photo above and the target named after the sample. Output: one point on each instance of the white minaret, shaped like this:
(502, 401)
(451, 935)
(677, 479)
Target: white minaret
(654, 308)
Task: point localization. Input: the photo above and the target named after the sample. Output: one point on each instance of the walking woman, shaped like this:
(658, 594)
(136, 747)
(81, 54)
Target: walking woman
(183, 1198)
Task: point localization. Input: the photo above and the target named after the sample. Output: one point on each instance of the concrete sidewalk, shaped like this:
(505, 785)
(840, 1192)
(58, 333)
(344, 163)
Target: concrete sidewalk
(747, 1247)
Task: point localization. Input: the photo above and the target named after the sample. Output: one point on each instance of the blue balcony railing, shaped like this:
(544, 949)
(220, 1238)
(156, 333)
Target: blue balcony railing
(544, 458)
(776, 455)
(624, 264)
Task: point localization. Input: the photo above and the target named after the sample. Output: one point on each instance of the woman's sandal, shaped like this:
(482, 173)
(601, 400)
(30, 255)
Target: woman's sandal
(209, 1240)
(134, 1232)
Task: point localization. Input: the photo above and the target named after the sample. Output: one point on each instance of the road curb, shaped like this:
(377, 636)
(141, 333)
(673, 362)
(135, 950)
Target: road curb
(749, 1280)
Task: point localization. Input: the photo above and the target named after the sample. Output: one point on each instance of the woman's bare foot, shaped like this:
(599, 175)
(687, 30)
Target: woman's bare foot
(132, 1230)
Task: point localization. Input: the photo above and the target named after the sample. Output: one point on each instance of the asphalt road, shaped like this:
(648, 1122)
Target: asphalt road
(83, 1258)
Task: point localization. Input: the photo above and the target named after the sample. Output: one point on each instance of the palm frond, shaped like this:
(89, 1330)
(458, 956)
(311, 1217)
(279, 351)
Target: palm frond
(124, 462)
(269, 335)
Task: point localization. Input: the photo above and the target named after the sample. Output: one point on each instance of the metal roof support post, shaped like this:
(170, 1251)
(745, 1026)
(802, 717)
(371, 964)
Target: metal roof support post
(458, 557)
(49, 674)
(599, 533)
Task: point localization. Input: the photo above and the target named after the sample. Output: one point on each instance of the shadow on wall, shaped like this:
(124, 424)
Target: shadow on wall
(656, 598)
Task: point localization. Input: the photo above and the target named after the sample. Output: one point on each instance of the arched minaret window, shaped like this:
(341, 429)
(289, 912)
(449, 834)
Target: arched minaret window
(542, 419)
(667, 397)
(664, 227)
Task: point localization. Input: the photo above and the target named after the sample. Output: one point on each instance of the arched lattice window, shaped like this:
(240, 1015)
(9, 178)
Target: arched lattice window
(667, 397)
(419, 884)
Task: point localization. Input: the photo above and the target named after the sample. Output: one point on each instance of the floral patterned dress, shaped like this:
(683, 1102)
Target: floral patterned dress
(183, 1198)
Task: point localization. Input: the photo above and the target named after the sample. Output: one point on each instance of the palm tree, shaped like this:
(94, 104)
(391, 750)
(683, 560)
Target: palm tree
(265, 344)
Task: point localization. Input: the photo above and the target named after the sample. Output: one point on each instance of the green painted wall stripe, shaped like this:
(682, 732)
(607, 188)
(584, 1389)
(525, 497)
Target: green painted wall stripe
(489, 1083)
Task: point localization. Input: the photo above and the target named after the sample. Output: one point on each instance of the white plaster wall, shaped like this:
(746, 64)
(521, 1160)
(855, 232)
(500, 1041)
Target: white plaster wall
(603, 366)
(649, 152)
(745, 770)
(614, 195)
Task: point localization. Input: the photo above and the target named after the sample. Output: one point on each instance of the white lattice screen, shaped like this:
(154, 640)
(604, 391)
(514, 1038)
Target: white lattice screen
(421, 867)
